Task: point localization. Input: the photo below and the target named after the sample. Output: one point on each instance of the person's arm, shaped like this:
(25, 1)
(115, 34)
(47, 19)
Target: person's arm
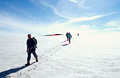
(27, 46)
(71, 35)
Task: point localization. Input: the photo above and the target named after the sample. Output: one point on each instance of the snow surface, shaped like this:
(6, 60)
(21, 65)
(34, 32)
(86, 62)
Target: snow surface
(85, 57)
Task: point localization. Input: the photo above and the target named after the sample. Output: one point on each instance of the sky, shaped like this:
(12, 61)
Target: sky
(59, 16)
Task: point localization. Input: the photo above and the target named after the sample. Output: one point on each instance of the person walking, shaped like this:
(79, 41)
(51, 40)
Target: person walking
(69, 37)
(31, 49)
(78, 34)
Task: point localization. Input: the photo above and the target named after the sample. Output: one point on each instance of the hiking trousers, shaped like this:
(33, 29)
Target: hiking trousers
(29, 54)
(69, 39)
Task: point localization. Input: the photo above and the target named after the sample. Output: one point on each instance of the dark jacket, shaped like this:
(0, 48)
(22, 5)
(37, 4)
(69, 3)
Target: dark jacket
(30, 43)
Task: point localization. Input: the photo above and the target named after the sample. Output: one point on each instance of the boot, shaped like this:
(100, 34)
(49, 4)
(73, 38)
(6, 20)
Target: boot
(36, 60)
(28, 63)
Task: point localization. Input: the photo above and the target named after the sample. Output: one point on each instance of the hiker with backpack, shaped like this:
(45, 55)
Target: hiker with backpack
(31, 48)
(69, 37)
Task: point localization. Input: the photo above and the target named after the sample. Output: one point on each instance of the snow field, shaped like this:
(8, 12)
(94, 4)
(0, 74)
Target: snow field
(85, 57)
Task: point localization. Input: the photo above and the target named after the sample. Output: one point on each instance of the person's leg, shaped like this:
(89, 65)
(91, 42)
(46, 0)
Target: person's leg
(35, 55)
(28, 58)
(67, 38)
(69, 41)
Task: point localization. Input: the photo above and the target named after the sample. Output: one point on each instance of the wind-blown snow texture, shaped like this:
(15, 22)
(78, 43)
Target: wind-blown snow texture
(91, 57)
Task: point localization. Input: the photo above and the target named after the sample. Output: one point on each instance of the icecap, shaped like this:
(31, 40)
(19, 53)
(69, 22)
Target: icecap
(86, 57)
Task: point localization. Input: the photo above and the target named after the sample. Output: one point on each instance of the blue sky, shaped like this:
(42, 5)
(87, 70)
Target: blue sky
(59, 16)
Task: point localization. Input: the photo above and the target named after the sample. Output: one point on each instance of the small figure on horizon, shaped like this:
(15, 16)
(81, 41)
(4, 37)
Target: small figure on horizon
(69, 37)
(31, 49)
(78, 34)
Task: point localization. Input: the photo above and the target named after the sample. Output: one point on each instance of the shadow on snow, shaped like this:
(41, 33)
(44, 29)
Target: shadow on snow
(65, 44)
(13, 70)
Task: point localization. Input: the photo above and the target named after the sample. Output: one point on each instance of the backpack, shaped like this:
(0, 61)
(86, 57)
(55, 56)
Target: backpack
(35, 41)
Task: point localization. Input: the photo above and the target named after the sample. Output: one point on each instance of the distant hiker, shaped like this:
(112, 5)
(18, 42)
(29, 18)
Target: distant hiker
(69, 37)
(31, 49)
(78, 34)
